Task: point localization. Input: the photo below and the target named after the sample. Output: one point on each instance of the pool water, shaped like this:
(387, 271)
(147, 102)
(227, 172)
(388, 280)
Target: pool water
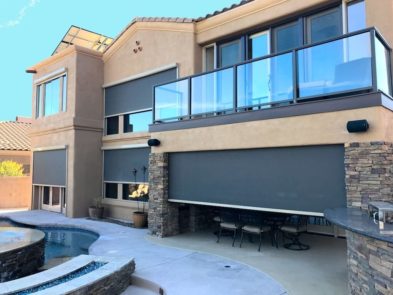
(61, 242)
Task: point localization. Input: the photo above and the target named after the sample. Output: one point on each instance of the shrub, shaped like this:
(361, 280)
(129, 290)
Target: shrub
(11, 168)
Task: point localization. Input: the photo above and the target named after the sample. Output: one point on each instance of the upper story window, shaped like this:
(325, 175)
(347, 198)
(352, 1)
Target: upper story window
(51, 97)
(258, 44)
(128, 105)
(312, 27)
(287, 37)
(230, 53)
(324, 25)
(209, 58)
(138, 122)
(356, 16)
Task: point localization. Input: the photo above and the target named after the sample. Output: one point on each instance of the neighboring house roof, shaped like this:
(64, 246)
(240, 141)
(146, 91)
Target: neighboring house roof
(14, 136)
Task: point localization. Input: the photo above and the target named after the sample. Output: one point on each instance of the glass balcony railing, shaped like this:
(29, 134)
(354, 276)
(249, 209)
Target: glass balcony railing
(353, 63)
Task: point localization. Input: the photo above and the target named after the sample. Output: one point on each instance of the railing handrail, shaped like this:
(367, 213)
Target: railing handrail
(344, 36)
(373, 36)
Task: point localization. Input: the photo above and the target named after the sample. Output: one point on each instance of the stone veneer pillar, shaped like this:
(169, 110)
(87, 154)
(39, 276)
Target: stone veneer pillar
(163, 216)
(369, 177)
(369, 171)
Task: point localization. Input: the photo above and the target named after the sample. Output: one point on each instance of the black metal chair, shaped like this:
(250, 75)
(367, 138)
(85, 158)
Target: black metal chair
(253, 224)
(295, 226)
(229, 221)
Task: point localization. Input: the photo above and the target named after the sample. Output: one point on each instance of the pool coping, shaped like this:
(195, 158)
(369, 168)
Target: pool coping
(111, 267)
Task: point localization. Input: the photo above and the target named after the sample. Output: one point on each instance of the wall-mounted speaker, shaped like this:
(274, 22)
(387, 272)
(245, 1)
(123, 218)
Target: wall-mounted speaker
(153, 142)
(357, 126)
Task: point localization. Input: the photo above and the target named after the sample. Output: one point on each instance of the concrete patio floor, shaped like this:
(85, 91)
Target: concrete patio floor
(321, 270)
(178, 271)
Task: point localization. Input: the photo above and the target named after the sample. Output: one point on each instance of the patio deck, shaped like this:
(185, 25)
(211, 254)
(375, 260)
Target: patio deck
(177, 271)
(321, 270)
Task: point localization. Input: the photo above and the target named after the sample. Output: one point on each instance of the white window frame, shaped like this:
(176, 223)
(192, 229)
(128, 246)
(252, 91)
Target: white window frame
(214, 45)
(40, 90)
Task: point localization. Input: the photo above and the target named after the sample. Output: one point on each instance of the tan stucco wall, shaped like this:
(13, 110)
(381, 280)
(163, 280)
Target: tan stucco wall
(15, 192)
(316, 129)
(162, 44)
(79, 128)
(379, 14)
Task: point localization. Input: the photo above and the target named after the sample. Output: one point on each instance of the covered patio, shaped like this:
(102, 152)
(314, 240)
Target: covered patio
(320, 270)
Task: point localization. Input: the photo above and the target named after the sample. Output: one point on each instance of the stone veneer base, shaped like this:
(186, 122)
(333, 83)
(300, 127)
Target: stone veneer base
(370, 264)
(22, 262)
(112, 278)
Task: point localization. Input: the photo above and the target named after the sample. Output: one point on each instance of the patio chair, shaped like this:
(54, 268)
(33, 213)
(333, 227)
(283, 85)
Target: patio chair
(229, 221)
(292, 230)
(254, 225)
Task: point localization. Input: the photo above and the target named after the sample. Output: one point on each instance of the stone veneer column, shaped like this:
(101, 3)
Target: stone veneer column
(368, 173)
(369, 177)
(163, 216)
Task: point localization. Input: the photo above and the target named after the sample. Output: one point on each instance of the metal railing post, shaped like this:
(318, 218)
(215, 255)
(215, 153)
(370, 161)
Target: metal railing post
(373, 61)
(295, 79)
(235, 89)
(189, 98)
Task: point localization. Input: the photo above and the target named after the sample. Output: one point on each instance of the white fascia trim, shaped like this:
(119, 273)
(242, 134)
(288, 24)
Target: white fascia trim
(249, 208)
(50, 148)
(51, 75)
(126, 146)
(51, 185)
(141, 75)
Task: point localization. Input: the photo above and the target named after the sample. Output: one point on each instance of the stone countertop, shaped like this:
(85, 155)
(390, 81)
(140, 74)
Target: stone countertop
(359, 222)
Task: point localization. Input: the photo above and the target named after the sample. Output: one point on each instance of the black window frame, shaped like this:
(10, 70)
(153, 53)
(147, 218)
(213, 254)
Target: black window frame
(301, 18)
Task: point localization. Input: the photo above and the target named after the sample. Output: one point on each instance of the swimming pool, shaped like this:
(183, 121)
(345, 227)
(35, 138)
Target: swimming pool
(61, 242)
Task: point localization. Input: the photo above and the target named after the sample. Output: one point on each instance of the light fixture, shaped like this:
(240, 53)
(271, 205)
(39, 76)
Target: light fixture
(153, 142)
(357, 126)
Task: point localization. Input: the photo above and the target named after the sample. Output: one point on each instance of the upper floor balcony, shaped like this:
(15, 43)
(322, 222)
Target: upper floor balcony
(355, 63)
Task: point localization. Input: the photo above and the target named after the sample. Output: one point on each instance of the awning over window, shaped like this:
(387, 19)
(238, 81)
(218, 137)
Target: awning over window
(50, 167)
(119, 165)
(136, 94)
(306, 179)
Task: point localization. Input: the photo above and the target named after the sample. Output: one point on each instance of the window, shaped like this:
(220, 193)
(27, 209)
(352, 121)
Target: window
(258, 45)
(356, 15)
(51, 198)
(137, 122)
(287, 37)
(324, 25)
(51, 97)
(136, 192)
(209, 58)
(112, 125)
(230, 53)
(111, 190)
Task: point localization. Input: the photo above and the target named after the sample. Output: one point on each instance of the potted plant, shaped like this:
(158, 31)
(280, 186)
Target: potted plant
(141, 195)
(96, 211)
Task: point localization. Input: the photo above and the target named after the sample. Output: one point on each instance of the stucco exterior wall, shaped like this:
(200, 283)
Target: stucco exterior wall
(15, 192)
(162, 44)
(315, 129)
(79, 128)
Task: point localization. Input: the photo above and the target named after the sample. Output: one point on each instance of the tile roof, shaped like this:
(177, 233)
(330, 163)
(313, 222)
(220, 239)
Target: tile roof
(223, 10)
(14, 136)
(177, 19)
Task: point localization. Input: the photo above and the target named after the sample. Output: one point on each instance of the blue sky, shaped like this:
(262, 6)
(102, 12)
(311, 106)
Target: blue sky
(31, 29)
